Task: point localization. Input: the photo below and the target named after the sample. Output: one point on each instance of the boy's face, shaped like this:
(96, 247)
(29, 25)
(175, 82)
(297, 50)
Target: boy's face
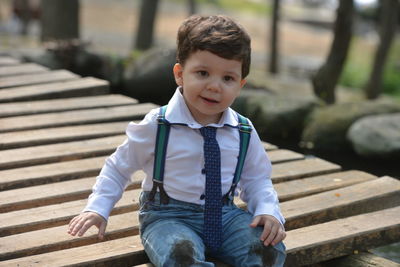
(210, 84)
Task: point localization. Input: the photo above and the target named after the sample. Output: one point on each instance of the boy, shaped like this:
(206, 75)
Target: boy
(188, 212)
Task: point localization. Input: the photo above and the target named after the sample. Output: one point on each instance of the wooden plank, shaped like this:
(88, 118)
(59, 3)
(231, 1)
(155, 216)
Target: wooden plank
(60, 134)
(317, 184)
(57, 105)
(341, 237)
(19, 177)
(56, 238)
(304, 246)
(29, 79)
(25, 68)
(70, 88)
(63, 134)
(48, 216)
(359, 260)
(48, 194)
(20, 157)
(284, 155)
(268, 146)
(50, 173)
(27, 122)
(356, 199)
(8, 61)
(302, 168)
(360, 198)
(40, 195)
(126, 251)
(37, 218)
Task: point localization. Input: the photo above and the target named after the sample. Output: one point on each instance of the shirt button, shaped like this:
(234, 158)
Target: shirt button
(203, 171)
(202, 197)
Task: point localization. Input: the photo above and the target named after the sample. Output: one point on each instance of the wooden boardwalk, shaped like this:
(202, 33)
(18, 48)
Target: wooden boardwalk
(56, 129)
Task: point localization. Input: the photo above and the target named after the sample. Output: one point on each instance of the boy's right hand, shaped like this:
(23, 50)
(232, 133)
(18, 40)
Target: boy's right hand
(81, 223)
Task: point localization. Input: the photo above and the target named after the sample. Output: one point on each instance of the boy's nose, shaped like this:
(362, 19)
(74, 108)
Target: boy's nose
(214, 85)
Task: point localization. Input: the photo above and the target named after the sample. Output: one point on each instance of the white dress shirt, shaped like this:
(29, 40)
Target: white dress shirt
(183, 177)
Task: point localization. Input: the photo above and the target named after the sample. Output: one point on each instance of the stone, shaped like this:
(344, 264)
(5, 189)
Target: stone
(376, 136)
(326, 128)
(274, 115)
(150, 78)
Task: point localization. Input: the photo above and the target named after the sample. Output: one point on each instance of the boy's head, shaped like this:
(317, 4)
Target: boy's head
(219, 35)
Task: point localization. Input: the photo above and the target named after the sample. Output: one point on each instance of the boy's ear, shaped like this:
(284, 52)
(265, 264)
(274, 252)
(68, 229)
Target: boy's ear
(178, 74)
(242, 83)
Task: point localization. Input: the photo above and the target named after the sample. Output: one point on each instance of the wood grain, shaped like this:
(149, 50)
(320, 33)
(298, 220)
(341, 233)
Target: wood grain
(69, 88)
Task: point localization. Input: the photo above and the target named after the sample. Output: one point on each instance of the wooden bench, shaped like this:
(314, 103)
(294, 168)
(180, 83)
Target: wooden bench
(51, 150)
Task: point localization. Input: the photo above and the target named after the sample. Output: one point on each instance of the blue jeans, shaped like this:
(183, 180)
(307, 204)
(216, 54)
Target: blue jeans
(172, 236)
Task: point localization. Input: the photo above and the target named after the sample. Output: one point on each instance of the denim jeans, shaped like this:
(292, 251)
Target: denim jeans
(172, 236)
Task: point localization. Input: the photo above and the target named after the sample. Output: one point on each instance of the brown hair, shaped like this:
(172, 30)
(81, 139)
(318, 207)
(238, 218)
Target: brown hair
(219, 35)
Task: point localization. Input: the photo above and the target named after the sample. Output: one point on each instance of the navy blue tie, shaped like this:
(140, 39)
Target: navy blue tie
(213, 201)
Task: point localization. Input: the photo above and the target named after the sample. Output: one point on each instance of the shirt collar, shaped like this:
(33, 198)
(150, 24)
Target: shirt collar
(178, 113)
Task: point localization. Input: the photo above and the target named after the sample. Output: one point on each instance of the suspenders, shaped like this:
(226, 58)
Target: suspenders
(163, 130)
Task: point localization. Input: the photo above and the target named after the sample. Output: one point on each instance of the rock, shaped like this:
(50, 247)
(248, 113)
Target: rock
(274, 115)
(376, 136)
(150, 78)
(74, 56)
(327, 127)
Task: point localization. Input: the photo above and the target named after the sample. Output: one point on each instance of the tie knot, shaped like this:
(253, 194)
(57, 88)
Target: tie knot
(208, 132)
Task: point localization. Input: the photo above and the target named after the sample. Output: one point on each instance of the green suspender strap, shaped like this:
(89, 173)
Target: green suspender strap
(244, 133)
(159, 157)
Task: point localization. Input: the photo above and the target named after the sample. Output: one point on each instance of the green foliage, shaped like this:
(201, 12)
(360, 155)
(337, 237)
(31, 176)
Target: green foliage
(359, 63)
(391, 83)
(255, 7)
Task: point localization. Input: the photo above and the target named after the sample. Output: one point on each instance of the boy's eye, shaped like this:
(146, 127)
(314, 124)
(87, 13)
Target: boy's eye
(228, 78)
(202, 73)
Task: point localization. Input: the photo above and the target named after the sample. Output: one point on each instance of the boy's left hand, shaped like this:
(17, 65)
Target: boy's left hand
(273, 232)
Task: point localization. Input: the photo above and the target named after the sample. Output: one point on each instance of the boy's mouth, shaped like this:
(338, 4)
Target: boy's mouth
(209, 100)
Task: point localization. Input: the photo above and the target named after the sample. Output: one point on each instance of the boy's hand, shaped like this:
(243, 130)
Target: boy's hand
(81, 223)
(273, 232)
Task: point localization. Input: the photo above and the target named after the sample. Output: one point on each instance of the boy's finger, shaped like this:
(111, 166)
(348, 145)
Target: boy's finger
(279, 237)
(84, 227)
(255, 222)
(102, 230)
(73, 221)
(267, 230)
(74, 226)
(272, 234)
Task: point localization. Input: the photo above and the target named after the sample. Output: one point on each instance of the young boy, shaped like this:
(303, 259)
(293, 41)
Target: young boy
(188, 212)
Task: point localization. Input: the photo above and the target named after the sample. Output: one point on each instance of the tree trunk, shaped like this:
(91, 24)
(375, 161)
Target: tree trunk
(144, 36)
(192, 7)
(387, 30)
(274, 40)
(22, 10)
(60, 20)
(326, 78)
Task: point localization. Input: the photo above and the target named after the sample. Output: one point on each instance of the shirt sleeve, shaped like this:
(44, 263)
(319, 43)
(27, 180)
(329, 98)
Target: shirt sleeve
(129, 157)
(256, 187)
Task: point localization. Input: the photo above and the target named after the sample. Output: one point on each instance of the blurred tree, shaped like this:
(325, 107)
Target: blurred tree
(145, 32)
(192, 7)
(387, 29)
(60, 20)
(326, 78)
(274, 40)
(22, 10)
